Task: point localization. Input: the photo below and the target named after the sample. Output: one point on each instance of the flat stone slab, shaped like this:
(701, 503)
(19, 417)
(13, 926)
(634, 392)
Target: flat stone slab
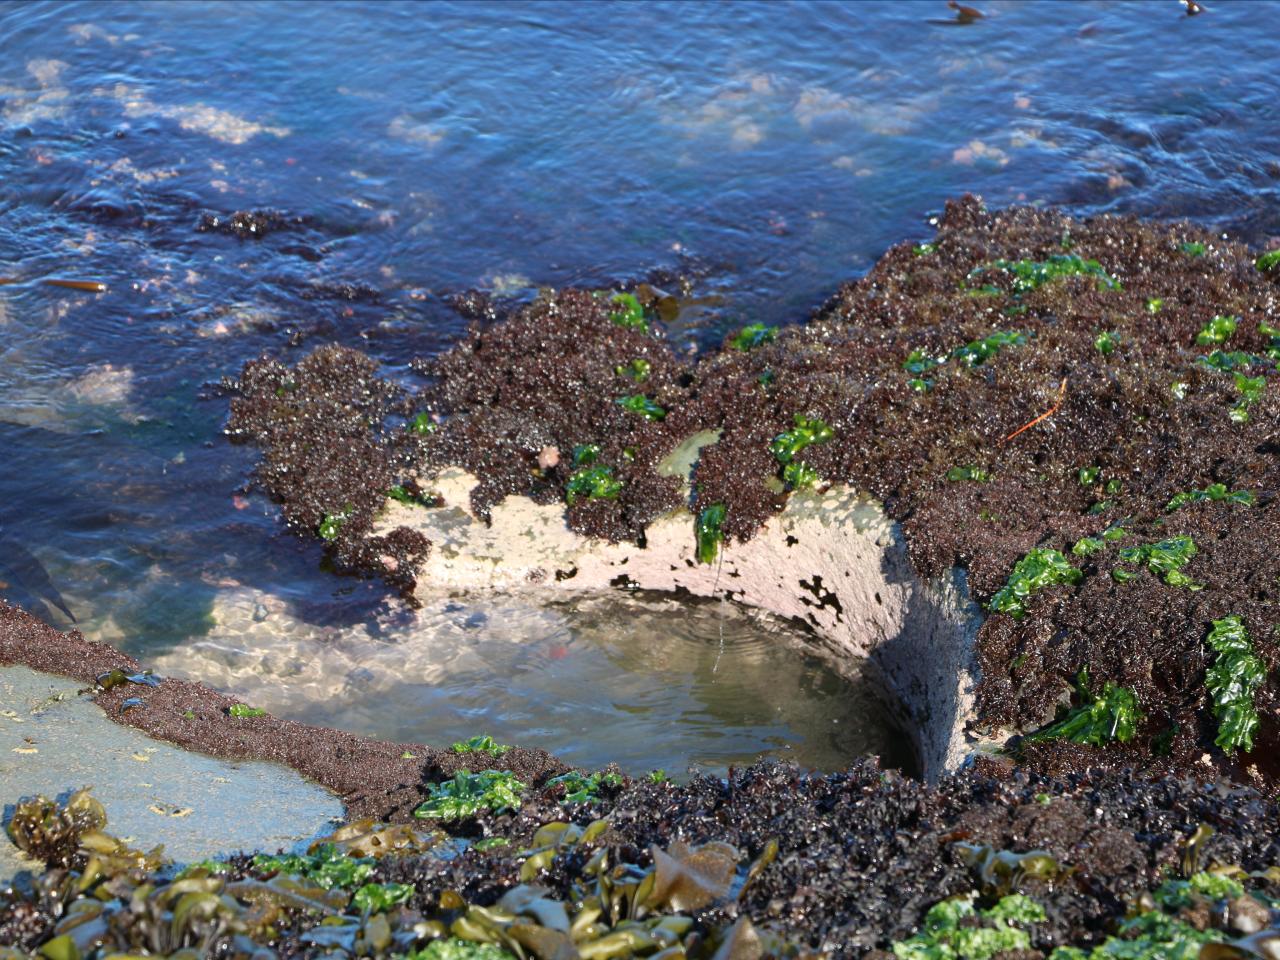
(54, 740)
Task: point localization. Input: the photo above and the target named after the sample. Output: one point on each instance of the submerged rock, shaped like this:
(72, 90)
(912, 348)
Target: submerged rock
(248, 224)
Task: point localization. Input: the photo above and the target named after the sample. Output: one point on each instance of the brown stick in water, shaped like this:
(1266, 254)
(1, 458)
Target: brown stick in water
(90, 286)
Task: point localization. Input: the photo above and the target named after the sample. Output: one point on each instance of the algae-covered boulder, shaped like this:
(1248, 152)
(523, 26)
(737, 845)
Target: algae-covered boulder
(1079, 414)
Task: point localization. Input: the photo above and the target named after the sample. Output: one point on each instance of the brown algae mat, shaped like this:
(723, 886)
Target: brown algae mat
(1119, 543)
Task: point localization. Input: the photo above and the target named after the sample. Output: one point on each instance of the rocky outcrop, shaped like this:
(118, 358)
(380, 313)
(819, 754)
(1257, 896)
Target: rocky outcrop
(1079, 415)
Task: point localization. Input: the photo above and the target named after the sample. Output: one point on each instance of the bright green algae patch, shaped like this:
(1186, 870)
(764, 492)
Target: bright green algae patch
(1112, 715)
(327, 867)
(381, 897)
(630, 314)
(468, 793)
(585, 454)
(1040, 568)
(1147, 936)
(969, 472)
(332, 523)
(799, 476)
(1164, 559)
(1234, 678)
(957, 930)
(1225, 361)
(787, 446)
(1088, 546)
(456, 949)
(807, 431)
(1215, 492)
(1030, 275)
(709, 532)
(971, 354)
(1162, 933)
(977, 352)
(640, 404)
(583, 788)
(1176, 894)
(1217, 331)
(592, 483)
(401, 494)
(1250, 390)
(481, 744)
(1236, 362)
(755, 335)
(637, 370)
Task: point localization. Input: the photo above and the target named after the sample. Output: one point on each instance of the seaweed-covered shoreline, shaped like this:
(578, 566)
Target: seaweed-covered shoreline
(768, 862)
(1080, 414)
(1077, 413)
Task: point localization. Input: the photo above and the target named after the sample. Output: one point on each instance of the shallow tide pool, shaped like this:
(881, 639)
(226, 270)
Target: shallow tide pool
(643, 681)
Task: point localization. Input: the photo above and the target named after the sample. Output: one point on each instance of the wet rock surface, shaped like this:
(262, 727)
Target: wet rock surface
(248, 224)
(53, 741)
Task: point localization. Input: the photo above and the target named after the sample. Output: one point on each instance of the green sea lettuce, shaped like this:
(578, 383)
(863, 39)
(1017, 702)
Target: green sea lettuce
(807, 431)
(1165, 559)
(709, 532)
(639, 403)
(955, 930)
(468, 793)
(631, 314)
(592, 483)
(1232, 681)
(1030, 275)
(755, 335)
(1040, 568)
(1111, 715)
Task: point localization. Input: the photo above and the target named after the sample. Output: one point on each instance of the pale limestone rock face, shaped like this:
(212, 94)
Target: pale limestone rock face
(832, 560)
